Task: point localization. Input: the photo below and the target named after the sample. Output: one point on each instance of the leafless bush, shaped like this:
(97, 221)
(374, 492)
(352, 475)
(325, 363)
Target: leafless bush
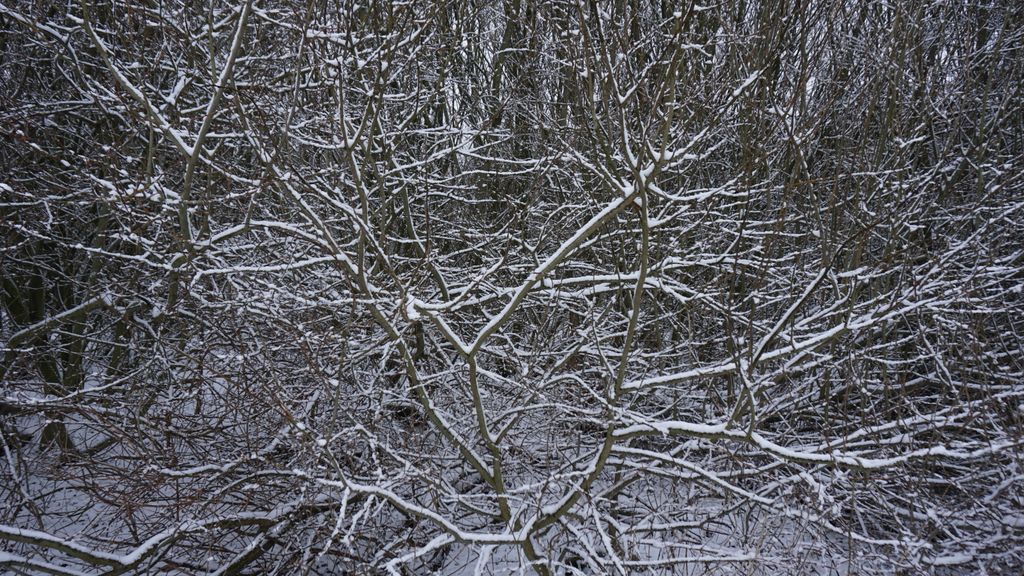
(499, 287)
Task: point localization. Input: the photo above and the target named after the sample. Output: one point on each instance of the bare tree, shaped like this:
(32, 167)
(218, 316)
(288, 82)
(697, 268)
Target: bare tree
(500, 287)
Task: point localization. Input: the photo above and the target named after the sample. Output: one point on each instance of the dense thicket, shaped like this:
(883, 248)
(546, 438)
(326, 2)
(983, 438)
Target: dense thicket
(507, 286)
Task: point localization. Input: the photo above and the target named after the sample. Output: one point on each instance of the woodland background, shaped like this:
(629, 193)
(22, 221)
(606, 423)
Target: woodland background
(456, 287)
